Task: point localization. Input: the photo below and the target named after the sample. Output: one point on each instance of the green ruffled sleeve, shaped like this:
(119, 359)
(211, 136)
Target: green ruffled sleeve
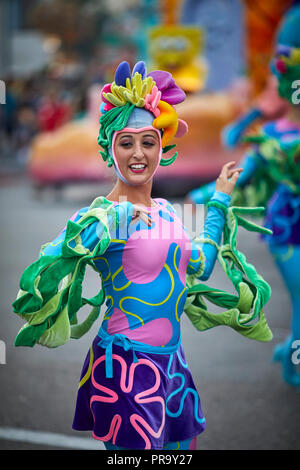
(243, 311)
(50, 292)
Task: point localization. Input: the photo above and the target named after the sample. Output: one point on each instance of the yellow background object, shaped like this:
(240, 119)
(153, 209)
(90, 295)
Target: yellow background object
(177, 49)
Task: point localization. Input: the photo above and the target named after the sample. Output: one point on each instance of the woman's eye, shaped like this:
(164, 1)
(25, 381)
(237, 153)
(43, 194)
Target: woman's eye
(148, 144)
(125, 144)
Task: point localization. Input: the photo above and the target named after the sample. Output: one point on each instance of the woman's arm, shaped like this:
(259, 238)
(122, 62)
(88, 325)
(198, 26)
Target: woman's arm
(54, 247)
(204, 193)
(117, 220)
(205, 249)
(204, 253)
(50, 292)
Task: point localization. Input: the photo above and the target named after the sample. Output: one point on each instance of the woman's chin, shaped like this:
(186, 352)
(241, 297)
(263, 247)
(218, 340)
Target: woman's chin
(138, 178)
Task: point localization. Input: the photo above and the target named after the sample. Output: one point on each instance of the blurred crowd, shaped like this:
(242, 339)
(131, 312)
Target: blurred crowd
(52, 97)
(38, 104)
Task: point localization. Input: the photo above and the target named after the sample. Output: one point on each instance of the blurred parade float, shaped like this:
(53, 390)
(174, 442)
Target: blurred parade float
(262, 20)
(71, 153)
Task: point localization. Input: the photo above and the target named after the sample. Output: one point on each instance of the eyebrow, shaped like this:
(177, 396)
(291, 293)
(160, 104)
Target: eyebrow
(130, 136)
(150, 135)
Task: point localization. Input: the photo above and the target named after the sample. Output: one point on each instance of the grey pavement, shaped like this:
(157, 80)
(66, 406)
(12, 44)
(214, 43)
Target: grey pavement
(245, 401)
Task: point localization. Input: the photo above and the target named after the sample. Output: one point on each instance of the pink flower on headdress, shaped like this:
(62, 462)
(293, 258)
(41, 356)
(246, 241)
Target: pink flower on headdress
(152, 100)
(106, 89)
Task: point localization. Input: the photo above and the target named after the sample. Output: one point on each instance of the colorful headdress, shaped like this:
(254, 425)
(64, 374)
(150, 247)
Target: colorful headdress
(156, 92)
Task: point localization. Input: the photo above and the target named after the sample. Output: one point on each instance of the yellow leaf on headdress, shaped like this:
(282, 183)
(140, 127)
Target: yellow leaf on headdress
(135, 91)
(167, 120)
(116, 90)
(136, 83)
(128, 83)
(150, 83)
(115, 97)
(167, 117)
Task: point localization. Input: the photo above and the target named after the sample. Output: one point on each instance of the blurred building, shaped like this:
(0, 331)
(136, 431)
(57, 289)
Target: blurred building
(222, 21)
(22, 49)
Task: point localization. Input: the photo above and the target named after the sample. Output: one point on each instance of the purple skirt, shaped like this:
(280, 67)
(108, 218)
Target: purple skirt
(145, 405)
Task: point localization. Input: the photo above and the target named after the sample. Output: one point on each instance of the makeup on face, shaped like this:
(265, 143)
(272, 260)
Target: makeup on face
(141, 149)
(137, 152)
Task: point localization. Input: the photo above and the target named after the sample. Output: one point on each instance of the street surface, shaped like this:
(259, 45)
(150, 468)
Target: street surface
(245, 401)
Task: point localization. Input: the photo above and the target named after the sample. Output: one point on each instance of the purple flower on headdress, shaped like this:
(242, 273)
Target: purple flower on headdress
(170, 92)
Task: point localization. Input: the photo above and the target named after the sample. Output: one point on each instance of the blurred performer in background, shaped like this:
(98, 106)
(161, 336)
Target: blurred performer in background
(272, 176)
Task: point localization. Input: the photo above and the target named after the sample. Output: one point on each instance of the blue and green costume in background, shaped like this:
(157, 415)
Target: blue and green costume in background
(271, 178)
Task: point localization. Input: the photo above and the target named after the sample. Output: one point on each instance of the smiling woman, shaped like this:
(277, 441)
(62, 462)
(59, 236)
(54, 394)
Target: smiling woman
(137, 153)
(136, 390)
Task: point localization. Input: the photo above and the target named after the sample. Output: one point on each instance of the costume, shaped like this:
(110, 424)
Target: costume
(272, 176)
(144, 278)
(136, 390)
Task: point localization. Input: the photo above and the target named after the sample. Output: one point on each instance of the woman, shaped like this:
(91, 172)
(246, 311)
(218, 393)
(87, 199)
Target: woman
(272, 175)
(136, 390)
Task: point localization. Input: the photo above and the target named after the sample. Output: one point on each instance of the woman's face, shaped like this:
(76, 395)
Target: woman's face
(137, 155)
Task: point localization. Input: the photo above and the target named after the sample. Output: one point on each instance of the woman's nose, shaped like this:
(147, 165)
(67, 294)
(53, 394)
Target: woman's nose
(138, 151)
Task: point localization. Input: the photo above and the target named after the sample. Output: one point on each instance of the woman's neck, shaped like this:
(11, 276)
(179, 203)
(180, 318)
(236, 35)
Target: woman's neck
(135, 194)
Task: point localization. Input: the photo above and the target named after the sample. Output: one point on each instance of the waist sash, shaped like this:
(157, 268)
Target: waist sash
(107, 340)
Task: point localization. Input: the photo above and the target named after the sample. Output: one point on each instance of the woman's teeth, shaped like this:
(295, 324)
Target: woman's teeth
(137, 167)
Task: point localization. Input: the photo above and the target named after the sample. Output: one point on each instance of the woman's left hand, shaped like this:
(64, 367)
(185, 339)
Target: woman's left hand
(228, 178)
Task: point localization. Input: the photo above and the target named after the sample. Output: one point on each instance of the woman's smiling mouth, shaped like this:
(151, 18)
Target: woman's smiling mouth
(137, 167)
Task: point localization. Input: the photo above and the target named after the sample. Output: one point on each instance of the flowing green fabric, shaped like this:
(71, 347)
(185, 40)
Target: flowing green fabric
(50, 310)
(245, 310)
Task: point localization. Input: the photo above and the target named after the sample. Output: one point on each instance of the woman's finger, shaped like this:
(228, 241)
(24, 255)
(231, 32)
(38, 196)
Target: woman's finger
(225, 169)
(231, 172)
(146, 219)
(139, 209)
(228, 165)
(142, 213)
(234, 178)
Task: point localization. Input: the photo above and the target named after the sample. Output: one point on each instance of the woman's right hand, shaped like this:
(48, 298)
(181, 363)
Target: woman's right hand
(142, 213)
